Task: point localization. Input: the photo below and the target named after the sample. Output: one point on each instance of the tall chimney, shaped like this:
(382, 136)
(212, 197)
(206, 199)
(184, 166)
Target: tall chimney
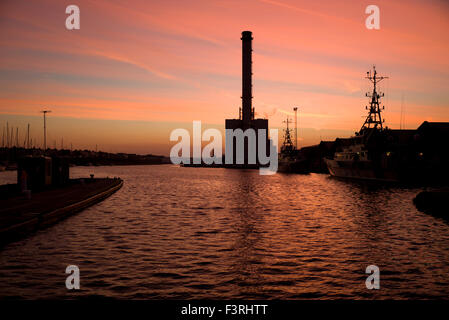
(247, 78)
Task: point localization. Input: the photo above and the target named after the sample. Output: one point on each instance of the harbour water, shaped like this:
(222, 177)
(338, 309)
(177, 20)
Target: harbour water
(193, 233)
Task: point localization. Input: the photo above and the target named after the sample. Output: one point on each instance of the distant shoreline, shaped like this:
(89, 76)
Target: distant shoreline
(105, 165)
(9, 157)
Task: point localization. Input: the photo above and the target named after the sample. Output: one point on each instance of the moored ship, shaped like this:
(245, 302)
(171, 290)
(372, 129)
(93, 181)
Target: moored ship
(367, 155)
(357, 162)
(289, 159)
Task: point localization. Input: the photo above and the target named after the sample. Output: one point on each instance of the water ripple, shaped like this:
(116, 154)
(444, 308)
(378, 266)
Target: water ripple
(181, 233)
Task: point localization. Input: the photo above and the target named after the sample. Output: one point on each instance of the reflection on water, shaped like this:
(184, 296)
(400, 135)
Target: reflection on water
(181, 233)
(7, 177)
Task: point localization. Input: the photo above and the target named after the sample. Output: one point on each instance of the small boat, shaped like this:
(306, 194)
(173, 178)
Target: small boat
(356, 162)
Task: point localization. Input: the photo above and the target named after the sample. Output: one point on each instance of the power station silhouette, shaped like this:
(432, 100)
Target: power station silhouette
(246, 118)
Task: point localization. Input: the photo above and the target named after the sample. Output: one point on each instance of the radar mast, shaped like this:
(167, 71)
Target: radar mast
(374, 119)
(287, 146)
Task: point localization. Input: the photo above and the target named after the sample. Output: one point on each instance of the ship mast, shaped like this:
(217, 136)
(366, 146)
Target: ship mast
(287, 145)
(374, 119)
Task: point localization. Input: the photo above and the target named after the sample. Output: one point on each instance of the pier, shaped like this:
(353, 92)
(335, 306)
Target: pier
(21, 214)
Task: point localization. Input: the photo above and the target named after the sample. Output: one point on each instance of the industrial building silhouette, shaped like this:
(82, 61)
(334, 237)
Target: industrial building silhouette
(246, 118)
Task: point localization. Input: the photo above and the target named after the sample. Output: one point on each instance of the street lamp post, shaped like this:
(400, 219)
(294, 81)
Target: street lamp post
(45, 128)
(296, 127)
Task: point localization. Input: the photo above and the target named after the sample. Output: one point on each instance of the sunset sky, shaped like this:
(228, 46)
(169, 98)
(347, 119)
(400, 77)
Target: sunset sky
(138, 69)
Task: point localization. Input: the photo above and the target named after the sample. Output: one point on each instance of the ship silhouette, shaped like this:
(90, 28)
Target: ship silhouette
(379, 153)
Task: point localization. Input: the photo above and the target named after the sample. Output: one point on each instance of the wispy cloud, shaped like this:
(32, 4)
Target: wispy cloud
(181, 60)
(117, 57)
